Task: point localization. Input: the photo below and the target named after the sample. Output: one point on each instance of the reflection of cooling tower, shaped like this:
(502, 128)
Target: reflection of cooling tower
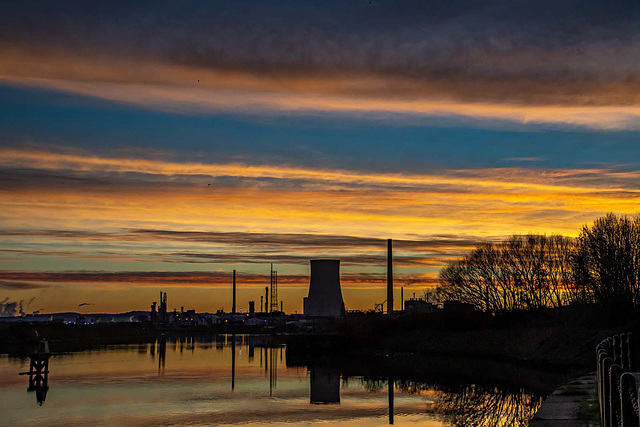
(325, 295)
(325, 386)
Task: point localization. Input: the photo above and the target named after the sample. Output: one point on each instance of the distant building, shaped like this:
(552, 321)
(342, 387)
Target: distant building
(418, 305)
(255, 321)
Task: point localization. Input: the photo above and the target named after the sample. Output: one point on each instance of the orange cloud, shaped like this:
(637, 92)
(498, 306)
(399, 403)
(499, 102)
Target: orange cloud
(170, 215)
(310, 200)
(191, 89)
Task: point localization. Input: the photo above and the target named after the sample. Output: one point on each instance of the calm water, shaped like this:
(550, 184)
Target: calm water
(244, 381)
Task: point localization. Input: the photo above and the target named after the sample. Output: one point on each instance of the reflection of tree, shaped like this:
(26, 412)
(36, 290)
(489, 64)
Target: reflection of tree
(373, 385)
(472, 405)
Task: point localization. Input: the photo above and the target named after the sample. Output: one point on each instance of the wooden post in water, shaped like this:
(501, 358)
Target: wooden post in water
(39, 371)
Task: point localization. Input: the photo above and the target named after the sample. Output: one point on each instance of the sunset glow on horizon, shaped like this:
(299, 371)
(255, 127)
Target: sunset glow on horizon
(145, 151)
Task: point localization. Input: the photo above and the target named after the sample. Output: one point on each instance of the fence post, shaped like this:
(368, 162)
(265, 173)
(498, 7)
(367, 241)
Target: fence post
(632, 351)
(624, 350)
(606, 394)
(616, 349)
(601, 355)
(628, 400)
(614, 394)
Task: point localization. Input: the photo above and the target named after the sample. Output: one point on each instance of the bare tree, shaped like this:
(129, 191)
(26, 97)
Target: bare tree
(607, 261)
(523, 272)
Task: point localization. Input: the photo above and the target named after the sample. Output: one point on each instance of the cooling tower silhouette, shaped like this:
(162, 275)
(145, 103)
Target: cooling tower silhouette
(325, 294)
(325, 386)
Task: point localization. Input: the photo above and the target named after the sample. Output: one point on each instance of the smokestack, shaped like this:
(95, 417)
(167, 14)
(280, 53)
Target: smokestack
(389, 276)
(266, 299)
(233, 306)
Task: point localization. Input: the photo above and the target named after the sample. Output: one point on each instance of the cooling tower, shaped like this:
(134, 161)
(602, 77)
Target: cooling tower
(325, 295)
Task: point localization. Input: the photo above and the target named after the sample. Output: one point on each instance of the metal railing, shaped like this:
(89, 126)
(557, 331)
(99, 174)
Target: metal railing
(617, 382)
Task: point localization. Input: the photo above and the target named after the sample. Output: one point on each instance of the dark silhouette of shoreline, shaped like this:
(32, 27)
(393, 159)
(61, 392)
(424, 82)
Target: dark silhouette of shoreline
(555, 338)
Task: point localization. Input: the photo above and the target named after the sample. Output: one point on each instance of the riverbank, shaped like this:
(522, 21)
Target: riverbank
(551, 339)
(563, 337)
(574, 404)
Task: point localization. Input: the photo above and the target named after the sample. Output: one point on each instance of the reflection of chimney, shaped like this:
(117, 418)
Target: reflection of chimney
(233, 306)
(389, 276)
(325, 294)
(391, 385)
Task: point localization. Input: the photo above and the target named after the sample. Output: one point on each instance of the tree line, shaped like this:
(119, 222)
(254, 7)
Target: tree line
(523, 272)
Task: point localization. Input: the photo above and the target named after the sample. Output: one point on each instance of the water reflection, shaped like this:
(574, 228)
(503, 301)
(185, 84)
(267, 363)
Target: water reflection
(479, 405)
(237, 379)
(273, 369)
(324, 384)
(391, 384)
(39, 372)
(233, 359)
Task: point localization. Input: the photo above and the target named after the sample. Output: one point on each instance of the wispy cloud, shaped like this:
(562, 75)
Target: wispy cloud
(525, 159)
(180, 201)
(12, 285)
(185, 279)
(462, 59)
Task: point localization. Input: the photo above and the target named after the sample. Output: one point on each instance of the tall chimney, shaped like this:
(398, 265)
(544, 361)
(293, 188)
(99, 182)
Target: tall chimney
(266, 299)
(389, 276)
(233, 306)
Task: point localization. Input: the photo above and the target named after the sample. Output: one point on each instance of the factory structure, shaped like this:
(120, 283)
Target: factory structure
(324, 301)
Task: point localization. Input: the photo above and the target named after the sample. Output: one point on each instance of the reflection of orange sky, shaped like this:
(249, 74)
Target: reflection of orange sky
(100, 194)
(191, 384)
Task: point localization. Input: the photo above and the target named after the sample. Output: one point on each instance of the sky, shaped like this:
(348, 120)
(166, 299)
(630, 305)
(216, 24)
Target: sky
(162, 145)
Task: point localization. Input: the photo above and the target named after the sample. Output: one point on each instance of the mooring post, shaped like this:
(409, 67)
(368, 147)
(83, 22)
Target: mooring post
(39, 371)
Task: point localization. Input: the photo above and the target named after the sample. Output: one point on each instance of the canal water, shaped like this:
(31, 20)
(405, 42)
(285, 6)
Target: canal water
(240, 380)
